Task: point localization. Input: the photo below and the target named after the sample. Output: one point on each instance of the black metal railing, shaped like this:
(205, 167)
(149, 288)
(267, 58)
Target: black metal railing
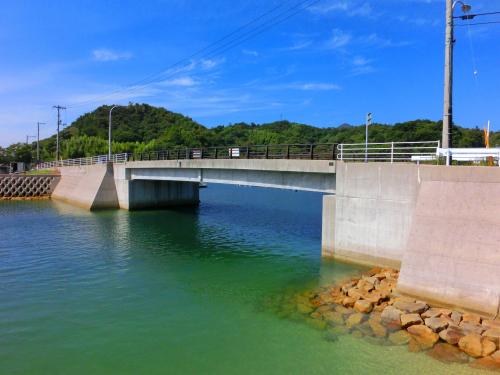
(325, 151)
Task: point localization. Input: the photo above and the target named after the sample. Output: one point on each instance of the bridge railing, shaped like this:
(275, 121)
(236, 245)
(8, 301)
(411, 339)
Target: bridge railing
(286, 151)
(389, 152)
(91, 160)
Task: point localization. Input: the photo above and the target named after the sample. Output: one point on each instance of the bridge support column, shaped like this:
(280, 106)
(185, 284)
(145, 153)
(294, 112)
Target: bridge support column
(149, 194)
(328, 226)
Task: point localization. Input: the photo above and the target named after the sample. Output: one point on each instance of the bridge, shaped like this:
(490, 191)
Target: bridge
(439, 224)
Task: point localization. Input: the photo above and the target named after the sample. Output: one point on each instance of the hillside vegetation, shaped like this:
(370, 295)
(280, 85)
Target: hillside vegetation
(141, 127)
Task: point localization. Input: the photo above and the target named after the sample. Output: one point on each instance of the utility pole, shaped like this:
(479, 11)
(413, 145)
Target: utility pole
(368, 123)
(448, 72)
(38, 141)
(59, 108)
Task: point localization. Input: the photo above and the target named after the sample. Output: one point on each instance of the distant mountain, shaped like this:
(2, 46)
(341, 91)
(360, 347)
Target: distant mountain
(141, 127)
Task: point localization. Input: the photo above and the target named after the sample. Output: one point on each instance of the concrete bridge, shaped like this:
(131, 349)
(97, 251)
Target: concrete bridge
(440, 225)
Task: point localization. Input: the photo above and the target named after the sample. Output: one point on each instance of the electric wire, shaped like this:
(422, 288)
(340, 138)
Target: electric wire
(211, 50)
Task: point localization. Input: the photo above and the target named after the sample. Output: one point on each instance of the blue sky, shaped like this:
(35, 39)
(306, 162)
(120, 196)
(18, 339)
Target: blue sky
(327, 65)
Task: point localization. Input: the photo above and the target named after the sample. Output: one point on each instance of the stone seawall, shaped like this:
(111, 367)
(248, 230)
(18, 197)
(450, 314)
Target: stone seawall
(27, 186)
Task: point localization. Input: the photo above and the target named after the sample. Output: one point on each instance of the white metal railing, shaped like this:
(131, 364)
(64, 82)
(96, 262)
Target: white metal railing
(388, 151)
(100, 159)
(469, 154)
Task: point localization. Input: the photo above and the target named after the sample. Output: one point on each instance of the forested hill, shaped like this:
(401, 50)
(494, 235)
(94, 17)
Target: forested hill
(141, 127)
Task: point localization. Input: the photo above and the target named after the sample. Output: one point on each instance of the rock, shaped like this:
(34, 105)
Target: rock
(448, 353)
(323, 309)
(365, 329)
(343, 310)
(316, 315)
(355, 293)
(414, 346)
(333, 317)
(315, 323)
(355, 319)
(380, 276)
(411, 307)
(378, 329)
(363, 306)
(338, 330)
(304, 309)
(357, 334)
(346, 286)
(380, 307)
(493, 334)
(471, 318)
(437, 324)
(399, 338)
(391, 314)
(410, 319)
(470, 327)
(348, 302)
(471, 344)
(496, 356)
(486, 363)
(331, 337)
(491, 323)
(456, 317)
(423, 335)
(436, 312)
(372, 280)
(489, 347)
(452, 335)
(379, 341)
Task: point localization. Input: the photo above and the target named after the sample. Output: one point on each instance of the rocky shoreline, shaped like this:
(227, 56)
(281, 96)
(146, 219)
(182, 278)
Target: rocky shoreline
(369, 307)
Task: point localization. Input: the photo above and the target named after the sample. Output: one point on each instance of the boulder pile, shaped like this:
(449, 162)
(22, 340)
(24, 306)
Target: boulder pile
(369, 306)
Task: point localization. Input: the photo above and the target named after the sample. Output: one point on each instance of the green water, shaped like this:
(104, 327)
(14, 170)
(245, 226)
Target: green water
(174, 292)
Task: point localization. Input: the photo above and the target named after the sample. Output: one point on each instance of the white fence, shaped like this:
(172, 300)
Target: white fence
(388, 151)
(469, 154)
(100, 159)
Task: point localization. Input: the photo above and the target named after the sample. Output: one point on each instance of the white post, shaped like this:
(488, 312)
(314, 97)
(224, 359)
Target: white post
(368, 123)
(392, 152)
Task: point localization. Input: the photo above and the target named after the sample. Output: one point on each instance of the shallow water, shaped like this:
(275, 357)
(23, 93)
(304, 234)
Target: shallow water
(186, 291)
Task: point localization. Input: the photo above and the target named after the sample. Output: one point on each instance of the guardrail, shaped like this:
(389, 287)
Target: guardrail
(292, 151)
(469, 154)
(91, 160)
(388, 151)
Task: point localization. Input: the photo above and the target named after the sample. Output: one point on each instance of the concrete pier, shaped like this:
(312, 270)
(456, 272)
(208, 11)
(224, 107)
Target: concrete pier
(149, 194)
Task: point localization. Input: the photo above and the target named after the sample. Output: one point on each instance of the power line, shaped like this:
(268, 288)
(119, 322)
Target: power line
(471, 16)
(210, 51)
(478, 23)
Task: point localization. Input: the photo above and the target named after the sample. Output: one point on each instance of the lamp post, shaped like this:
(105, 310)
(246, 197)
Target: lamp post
(448, 71)
(368, 123)
(109, 131)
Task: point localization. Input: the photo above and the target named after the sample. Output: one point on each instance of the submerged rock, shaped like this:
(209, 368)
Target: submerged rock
(334, 317)
(448, 353)
(486, 363)
(399, 338)
(355, 319)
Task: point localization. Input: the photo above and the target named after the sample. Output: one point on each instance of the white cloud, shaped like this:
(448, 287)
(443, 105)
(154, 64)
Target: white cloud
(250, 52)
(298, 46)
(351, 8)
(104, 54)
(316, 86)
(209, 64)
(181, 81)
(339, 39)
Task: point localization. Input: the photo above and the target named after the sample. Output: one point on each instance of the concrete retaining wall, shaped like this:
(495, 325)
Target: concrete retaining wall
(90, 187)
(374, 208)
(440, 225)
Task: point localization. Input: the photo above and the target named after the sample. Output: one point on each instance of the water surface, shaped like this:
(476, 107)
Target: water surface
(183, 291)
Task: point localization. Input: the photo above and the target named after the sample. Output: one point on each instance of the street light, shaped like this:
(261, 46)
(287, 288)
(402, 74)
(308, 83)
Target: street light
(368, 123)
(109, 131)
(448, 71)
